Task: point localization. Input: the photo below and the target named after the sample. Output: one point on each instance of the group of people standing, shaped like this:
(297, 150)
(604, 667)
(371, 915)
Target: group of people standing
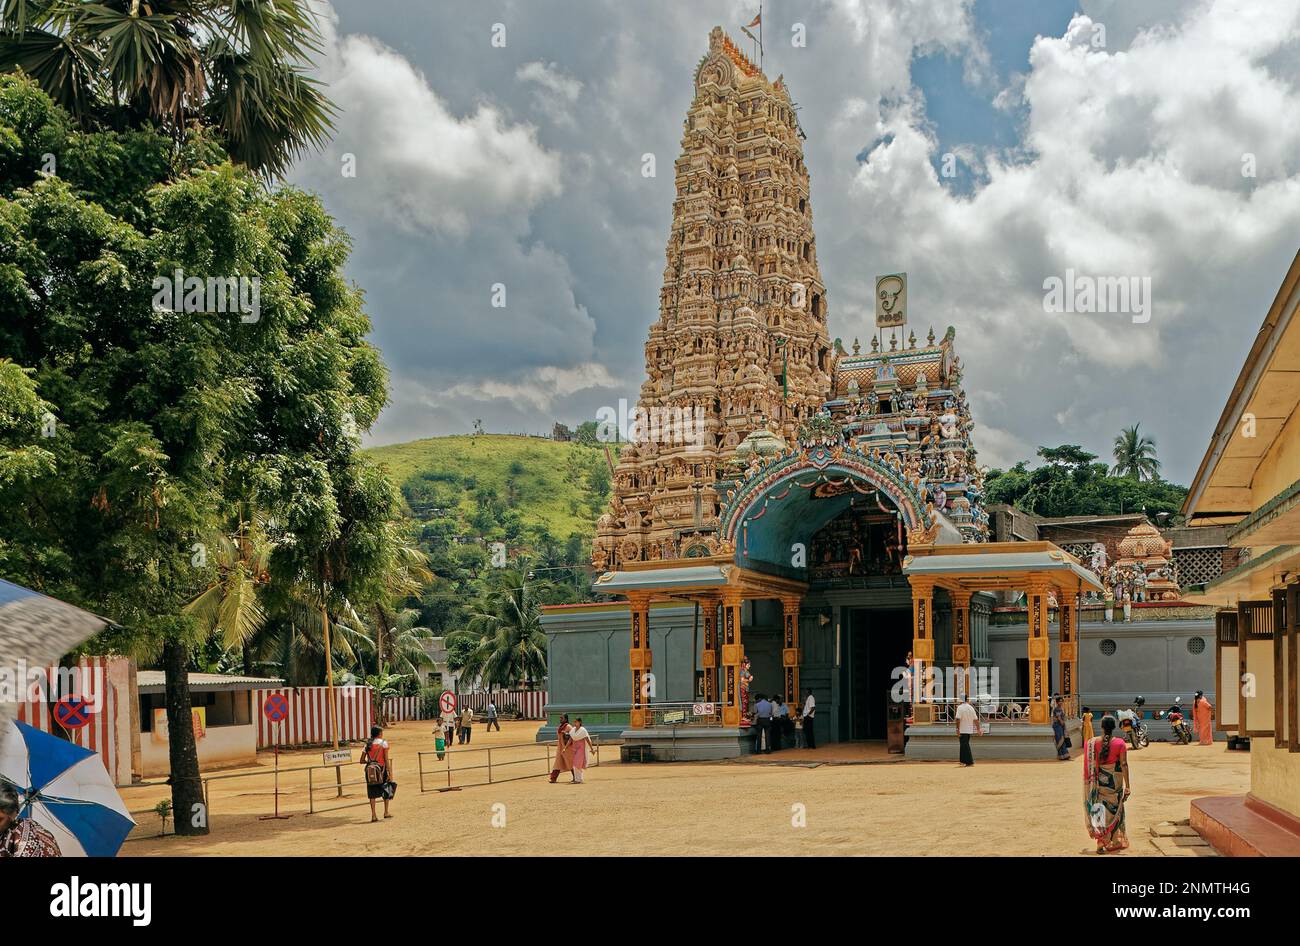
(572, 746)
(777, 724)
(461, 725)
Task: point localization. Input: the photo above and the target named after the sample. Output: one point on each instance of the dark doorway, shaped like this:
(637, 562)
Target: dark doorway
(1022, 678)
(878, 643)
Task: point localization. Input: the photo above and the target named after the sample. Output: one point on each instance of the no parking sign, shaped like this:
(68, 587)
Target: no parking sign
(73, 712)
(447, 702)
(276, 707)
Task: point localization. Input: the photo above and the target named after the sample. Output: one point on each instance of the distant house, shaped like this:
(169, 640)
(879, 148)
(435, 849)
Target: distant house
(561, 432)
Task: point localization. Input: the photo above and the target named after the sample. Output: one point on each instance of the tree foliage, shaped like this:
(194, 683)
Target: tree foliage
(1070, 483)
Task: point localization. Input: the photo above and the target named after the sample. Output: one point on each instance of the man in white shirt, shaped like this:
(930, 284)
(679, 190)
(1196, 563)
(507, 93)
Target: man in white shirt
(968, 724)
(809, 711)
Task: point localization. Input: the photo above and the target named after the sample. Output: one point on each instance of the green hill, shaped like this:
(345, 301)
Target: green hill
(483, 483)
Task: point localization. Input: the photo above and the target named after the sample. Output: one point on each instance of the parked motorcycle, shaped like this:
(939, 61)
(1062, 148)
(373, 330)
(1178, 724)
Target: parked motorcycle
(1131, 725)
(1179, 728)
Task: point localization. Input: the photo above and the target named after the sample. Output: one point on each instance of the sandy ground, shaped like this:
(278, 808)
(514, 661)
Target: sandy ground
(775, 806)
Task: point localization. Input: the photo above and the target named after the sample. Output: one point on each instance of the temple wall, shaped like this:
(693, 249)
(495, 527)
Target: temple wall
(1151, 659)
(588, 649)
(1275, 775)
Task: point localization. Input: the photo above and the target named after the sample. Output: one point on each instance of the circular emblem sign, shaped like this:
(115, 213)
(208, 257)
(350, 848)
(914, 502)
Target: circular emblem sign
(73, 712)
(276, 707)
(447, 702)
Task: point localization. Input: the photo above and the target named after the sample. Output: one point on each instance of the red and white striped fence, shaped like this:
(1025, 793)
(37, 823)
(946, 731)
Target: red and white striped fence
(531, 704)
(93, 679)
(308, 721)
(398, 709)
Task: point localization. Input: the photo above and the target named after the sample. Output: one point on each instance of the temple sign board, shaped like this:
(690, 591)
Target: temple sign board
(891, 300)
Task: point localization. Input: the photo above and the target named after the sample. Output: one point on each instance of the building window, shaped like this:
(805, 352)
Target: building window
(1196, 645)
(1108, 648)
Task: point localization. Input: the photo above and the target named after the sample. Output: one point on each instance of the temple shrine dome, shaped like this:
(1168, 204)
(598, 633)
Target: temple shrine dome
(1142, 542)
(761, 443)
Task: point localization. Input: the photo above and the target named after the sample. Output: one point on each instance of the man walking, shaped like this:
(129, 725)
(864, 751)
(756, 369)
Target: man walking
(492, 717)
(466, 724)
(968, 724)
(809, 712)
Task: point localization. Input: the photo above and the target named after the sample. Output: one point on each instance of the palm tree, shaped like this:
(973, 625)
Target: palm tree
(1135, 456)
(505, 626)
(237, 66)
(232, 603)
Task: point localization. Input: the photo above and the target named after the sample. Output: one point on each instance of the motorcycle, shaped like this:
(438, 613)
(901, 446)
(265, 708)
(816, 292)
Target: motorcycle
(1178, 725)
(1131, 725)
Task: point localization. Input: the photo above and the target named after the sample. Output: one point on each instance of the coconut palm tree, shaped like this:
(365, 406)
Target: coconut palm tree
(237, 66)
(232, 604)
(1135, 456)
(505, 626)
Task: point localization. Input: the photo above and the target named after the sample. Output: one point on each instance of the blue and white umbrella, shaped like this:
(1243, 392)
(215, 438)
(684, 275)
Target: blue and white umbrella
(66, 790)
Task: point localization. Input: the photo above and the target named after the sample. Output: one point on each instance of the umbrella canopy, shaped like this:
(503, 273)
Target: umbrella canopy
(37, 631)
(66, 790)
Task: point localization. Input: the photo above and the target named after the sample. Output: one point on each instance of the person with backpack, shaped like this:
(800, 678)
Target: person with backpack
(379, 778)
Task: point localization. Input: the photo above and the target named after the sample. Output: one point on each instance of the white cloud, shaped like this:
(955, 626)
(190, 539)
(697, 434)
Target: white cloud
(423, 167)
(555, 92)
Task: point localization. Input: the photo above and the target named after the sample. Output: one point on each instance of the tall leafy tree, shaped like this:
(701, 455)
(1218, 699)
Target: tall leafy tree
(168, 419)
(1135, 455)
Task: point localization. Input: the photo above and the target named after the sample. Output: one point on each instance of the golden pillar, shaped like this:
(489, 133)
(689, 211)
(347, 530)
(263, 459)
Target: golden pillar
(639, 659)
(709, 656)
(962, 643)
(733, 652)
(790, 648)
(1069, 649)
(922, 649)
(1039, 651)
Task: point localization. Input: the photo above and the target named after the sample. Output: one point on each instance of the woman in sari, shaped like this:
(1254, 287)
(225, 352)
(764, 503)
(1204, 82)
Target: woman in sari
(581, 741)
(1059, 732)
(1087, 726)
(1105, 788)
(563, 748)
(1202, 715)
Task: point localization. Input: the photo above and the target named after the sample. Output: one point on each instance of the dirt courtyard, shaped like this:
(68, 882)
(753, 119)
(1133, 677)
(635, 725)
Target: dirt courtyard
(902, 808)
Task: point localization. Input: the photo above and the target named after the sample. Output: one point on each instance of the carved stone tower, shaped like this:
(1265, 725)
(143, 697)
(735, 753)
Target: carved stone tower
(739, 355)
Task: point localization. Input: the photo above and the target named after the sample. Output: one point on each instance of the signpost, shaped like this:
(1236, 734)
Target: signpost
(276, 710)
(337, 756)
(447, 701)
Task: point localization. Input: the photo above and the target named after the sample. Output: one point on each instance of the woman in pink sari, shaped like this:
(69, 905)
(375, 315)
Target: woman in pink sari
(581, 741)
(1202, 714)
(563, 748)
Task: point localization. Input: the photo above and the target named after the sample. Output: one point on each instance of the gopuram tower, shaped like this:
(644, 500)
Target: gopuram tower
(739, 356)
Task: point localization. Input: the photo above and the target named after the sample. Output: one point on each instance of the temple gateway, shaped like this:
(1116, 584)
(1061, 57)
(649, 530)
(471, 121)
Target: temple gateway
(794, 516)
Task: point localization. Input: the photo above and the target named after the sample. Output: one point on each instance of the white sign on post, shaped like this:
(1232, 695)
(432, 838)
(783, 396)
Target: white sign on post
(338, 756)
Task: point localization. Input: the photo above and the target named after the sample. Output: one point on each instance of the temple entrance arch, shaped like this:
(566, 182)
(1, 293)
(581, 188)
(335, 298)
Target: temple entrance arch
(770, 518)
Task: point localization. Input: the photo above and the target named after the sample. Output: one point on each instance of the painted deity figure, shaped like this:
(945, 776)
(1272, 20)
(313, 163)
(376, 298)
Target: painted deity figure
(746, 678)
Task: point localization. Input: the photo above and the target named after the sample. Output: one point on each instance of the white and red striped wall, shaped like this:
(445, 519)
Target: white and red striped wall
(531, 704)
(398, 709)
(308, 720)
(98, 680)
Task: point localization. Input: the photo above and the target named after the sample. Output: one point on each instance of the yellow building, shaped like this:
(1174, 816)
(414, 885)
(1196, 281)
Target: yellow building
(1250, 480)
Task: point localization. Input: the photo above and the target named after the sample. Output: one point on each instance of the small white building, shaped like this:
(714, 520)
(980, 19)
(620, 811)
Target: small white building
(224, 715)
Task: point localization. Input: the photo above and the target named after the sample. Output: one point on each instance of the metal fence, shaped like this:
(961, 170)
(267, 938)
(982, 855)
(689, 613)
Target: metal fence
(468, 766)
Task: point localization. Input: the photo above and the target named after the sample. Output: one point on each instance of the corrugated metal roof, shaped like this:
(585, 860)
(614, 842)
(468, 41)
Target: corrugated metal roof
(154, 681)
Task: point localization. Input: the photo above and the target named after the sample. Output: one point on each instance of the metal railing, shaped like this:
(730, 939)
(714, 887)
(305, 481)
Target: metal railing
(453, 766)
(684, 714)
(1013, 709)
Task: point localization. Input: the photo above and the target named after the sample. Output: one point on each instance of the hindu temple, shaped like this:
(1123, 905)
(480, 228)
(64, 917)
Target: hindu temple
(805, 517)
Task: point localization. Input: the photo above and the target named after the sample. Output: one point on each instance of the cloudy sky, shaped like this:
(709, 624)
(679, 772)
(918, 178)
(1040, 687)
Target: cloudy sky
(1142, 138)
